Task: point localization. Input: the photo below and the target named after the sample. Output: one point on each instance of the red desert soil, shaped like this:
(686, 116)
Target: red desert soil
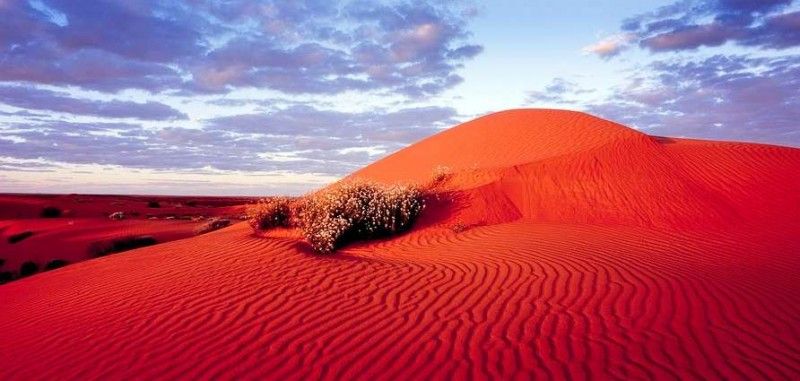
(84, 222)
(592, 251)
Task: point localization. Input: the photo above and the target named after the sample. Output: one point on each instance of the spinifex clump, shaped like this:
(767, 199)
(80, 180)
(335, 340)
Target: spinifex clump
(347, 212)
(269, 213)
(354, 211)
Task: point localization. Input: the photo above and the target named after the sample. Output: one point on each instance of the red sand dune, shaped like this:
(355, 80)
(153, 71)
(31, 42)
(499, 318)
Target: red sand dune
(594, 251)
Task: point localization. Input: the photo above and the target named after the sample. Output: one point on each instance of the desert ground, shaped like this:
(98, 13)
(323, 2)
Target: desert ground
(41, 229)
(556, 245)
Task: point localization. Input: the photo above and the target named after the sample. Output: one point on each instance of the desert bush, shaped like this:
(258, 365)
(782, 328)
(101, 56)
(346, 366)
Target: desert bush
(353, 211)
(459, 227)
(117, 216)
(51, 212)
(269, 213)
(6, 276)
(54, 264)
(14, 238)
(440, 173)
(153, 204)
(2, 262)
(28, 268)
(213, 224)
(99, 249)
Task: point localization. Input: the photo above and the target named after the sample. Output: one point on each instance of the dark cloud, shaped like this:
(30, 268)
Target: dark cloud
(689, 25)
(38, 99)
(721, 97)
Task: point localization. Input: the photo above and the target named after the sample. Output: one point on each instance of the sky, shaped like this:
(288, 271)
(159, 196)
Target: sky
(241, 97)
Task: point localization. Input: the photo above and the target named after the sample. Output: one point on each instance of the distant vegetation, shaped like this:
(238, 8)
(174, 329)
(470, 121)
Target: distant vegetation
(28, 268)
(153, 204)
(54, 264)
(14, 238)
(51, 212)
(269, 213)
(99, 249)
(344, 213)
(213, 224)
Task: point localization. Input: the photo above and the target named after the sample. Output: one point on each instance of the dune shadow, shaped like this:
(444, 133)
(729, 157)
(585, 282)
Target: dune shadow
(341, 255)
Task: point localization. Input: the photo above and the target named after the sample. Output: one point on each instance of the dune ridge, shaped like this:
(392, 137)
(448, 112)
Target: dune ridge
(595, 251)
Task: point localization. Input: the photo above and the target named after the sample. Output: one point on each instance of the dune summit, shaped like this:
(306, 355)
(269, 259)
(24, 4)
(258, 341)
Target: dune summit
(584, 249)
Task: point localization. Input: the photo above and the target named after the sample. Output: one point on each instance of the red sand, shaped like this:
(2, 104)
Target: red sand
(596, 251)
(85, 223)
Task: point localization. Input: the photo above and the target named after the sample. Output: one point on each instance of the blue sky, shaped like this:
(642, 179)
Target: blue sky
(244, 97)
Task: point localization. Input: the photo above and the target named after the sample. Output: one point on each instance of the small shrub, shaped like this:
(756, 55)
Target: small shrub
(117, 216)
(99, 249)
(6, 276)
(153, 204)
(458, 227)
(51, 212)
(14, 238)
(28, 268)
(213, 224)
(191, 203)
(2, 262)
(54, 264)
(269, 213)
(354, 211)
(440, 173)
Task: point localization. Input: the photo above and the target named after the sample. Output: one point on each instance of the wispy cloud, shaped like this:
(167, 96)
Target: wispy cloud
(610, 46)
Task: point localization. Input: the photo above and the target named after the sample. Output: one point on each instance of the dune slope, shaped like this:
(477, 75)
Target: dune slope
(594, 251)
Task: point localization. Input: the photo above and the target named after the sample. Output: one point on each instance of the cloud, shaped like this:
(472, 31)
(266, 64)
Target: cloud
(277, 55)
(393, 128)
(610, 46)
(691, 24)
(727, 97)
(691, 37)
(298, 47)
(319, 141)
(559, 90)
(38, 99)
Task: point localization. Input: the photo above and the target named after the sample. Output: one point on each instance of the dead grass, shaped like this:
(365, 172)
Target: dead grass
(335, 216)
(14, 238)
(269, 213)
(357, 211)
(99, 249)
(213, 224)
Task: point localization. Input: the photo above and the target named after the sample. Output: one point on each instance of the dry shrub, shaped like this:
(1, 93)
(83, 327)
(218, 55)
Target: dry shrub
(441, 173)
(459, 227)
(28, 268)
(269, 213)
(50, 212)
(14, 238)
(213, 224)
(117, 216)
(99, 249)
(353, 211)
(56, 263)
